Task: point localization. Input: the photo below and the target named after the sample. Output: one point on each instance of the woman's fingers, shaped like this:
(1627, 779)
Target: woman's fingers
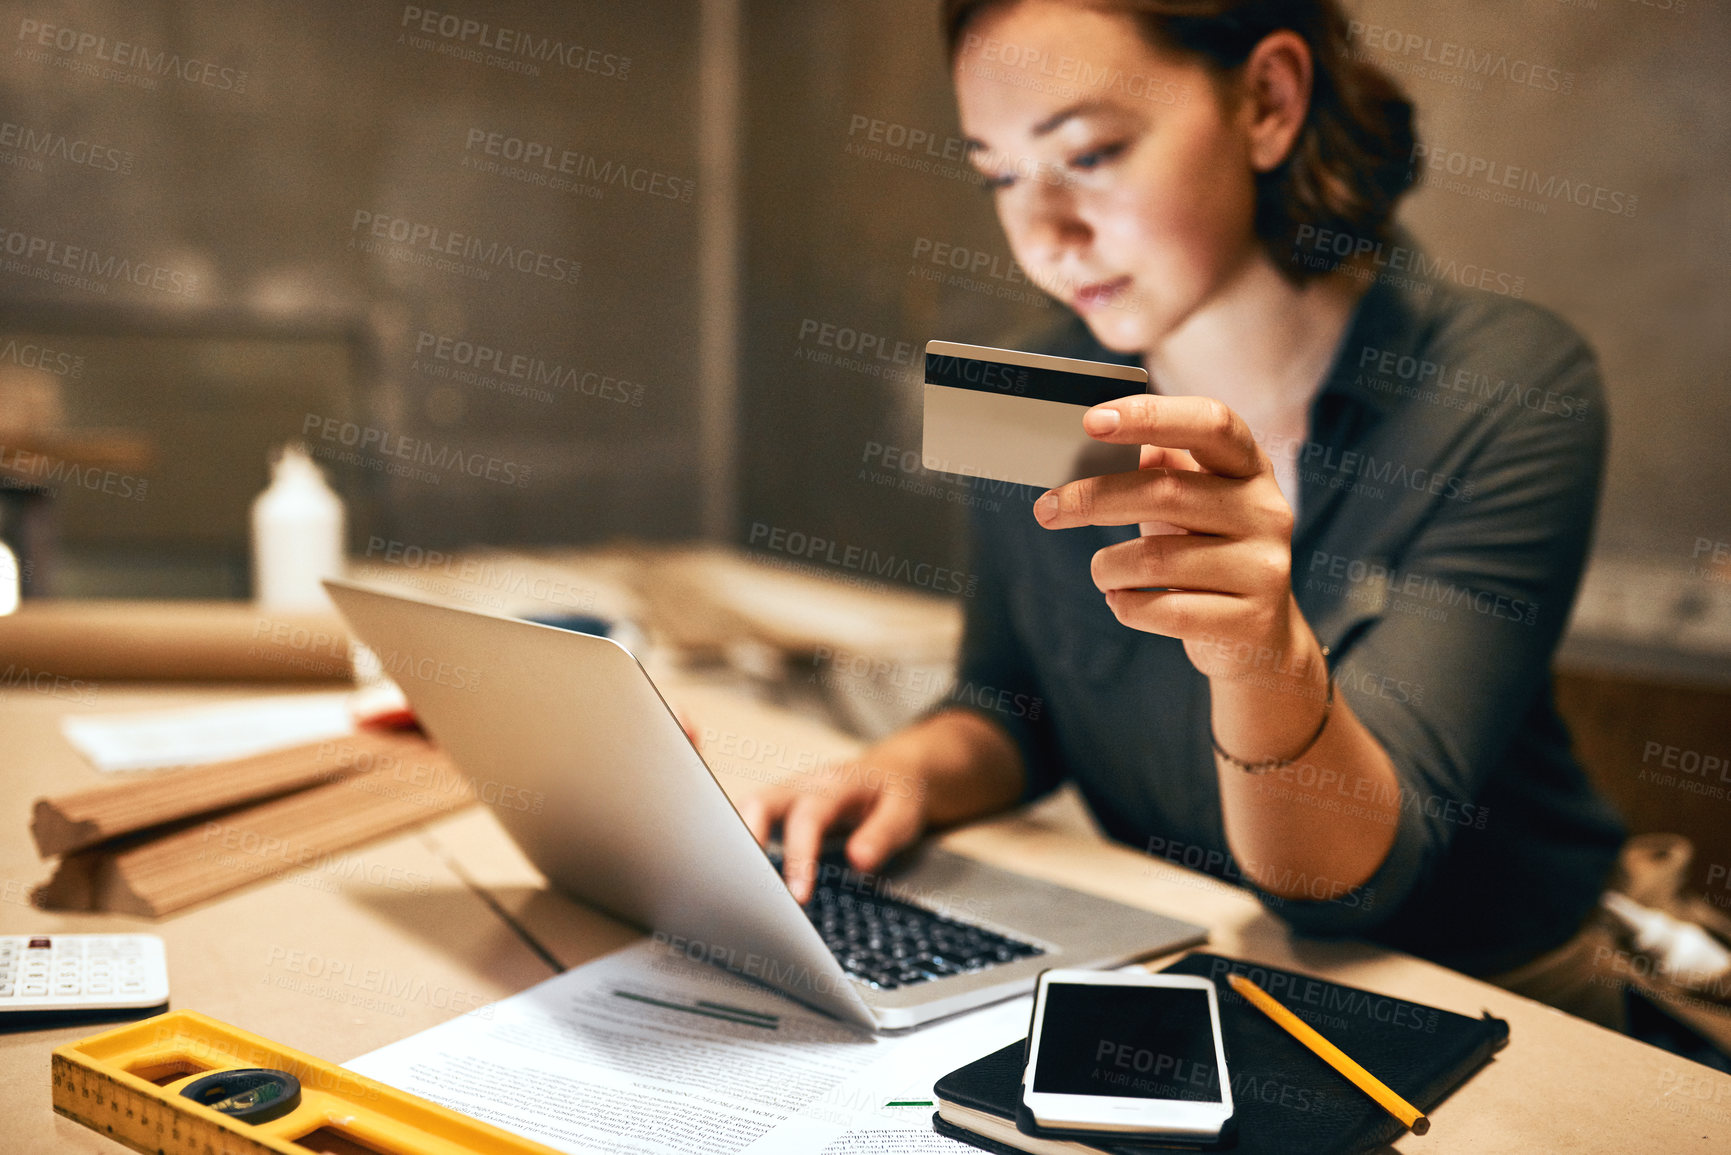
(893, 823)
(1216, 437)
(763, 812)
(887, 816)
(1196, 562)
(1160, 457)
(1182, 614)
(1214, 557)
(1186, 498)
(802, 829)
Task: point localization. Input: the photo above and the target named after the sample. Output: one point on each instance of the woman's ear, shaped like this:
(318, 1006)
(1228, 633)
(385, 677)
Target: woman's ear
(1274, 93)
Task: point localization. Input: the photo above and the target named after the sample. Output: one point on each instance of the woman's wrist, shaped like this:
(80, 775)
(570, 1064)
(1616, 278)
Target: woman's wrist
(1270, 702)
(966, 766)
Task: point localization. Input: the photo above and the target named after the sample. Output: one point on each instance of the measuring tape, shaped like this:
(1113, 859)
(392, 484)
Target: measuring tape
(185, 1084)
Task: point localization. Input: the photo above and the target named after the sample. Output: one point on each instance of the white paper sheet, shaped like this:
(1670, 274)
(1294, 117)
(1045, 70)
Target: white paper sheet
(642, 1051)
(150, 739)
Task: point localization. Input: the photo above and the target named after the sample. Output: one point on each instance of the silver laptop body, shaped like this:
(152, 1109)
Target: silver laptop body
(573, 747)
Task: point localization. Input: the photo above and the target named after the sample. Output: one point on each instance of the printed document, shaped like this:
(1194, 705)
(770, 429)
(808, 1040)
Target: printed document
(194, 735)
(646, 1051)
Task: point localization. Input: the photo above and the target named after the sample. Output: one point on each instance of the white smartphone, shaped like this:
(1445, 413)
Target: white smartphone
(1127, 1052)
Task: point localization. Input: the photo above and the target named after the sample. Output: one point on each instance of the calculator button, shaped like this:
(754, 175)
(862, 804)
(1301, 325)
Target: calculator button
(76, 970)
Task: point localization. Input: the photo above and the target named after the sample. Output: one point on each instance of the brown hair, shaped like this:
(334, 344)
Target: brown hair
(1350, 162)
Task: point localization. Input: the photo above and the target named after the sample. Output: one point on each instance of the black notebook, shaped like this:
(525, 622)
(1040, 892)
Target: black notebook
(1288, 1100)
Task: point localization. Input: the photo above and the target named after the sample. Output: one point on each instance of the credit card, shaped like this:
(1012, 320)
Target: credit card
(1017, 417)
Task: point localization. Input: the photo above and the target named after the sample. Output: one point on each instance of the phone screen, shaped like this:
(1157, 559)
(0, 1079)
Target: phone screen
(1128, 1042)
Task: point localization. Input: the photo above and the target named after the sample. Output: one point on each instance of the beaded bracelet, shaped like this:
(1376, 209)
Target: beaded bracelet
(1267, 764)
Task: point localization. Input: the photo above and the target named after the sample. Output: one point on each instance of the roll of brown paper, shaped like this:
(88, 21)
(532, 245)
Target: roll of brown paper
(172, 640)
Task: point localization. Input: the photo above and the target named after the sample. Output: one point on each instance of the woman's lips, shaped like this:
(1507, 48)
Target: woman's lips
(1100, 294)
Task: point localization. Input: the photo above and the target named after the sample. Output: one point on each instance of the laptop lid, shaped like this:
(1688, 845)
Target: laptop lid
(574, 749)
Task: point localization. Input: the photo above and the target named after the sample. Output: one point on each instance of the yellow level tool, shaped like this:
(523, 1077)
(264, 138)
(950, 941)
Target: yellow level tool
(249, 1096)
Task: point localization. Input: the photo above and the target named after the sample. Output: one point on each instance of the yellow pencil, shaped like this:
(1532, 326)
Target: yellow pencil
(1331, 1054)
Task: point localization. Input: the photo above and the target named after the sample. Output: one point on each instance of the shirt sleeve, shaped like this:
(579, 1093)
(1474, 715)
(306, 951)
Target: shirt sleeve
(995, 677)
(1470, 614)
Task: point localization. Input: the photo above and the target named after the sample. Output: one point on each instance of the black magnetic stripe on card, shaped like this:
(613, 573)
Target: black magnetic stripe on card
(1024, 381)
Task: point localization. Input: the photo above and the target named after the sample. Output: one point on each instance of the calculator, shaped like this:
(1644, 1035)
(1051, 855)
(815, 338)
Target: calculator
(80, 976)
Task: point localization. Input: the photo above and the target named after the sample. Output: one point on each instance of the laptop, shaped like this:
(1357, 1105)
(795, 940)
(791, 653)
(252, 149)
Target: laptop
(573, 747)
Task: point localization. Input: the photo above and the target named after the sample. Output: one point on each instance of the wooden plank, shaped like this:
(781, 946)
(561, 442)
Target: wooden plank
(223, 851)
(72, 822)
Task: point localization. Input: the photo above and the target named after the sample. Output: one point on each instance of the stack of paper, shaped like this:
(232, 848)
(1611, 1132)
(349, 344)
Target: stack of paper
(644, 1051)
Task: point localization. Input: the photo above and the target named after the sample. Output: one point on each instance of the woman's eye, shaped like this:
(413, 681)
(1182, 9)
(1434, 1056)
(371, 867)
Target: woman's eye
(1095, 157)
(1053, 172)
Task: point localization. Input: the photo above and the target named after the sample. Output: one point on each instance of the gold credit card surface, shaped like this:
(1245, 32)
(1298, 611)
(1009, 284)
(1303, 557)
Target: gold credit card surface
(1017, 417)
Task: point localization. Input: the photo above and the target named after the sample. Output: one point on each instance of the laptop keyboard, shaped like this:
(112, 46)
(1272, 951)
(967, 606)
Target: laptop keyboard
(887, 943)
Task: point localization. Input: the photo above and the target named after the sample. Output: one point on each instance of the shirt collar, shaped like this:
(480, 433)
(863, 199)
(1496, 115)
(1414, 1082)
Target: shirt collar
(1381, 321)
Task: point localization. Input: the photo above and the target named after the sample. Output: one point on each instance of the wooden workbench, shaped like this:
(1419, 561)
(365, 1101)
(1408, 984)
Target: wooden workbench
(338, 967)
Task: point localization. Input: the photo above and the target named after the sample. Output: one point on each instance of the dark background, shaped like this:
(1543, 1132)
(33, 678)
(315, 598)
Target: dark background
(254, 192)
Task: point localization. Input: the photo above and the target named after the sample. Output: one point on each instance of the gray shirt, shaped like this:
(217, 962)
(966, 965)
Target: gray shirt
(1448, 487)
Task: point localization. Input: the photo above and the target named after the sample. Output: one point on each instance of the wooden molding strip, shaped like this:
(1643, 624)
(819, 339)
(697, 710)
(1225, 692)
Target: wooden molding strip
(223, 851)
(72, 822)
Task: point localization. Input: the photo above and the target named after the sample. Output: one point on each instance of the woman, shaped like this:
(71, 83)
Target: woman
(1306, 645)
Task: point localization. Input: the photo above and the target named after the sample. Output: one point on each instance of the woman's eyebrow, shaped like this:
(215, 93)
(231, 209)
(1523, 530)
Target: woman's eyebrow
(1080, 108)
(1048, 125)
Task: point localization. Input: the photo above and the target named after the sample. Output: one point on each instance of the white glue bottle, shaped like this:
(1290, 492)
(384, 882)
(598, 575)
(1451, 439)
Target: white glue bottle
(297, 535)
(11, 582)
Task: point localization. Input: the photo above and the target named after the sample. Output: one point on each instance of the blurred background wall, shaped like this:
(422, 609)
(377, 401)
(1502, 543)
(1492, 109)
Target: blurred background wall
(534, 327)
(376, 235)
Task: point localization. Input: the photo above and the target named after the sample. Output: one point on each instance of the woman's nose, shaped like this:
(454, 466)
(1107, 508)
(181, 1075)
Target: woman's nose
(1043, 222)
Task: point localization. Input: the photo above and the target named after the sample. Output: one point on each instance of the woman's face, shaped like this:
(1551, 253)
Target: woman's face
(1122, 171)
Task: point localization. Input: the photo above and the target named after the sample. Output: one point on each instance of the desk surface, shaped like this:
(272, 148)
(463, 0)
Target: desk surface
(338, 966)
